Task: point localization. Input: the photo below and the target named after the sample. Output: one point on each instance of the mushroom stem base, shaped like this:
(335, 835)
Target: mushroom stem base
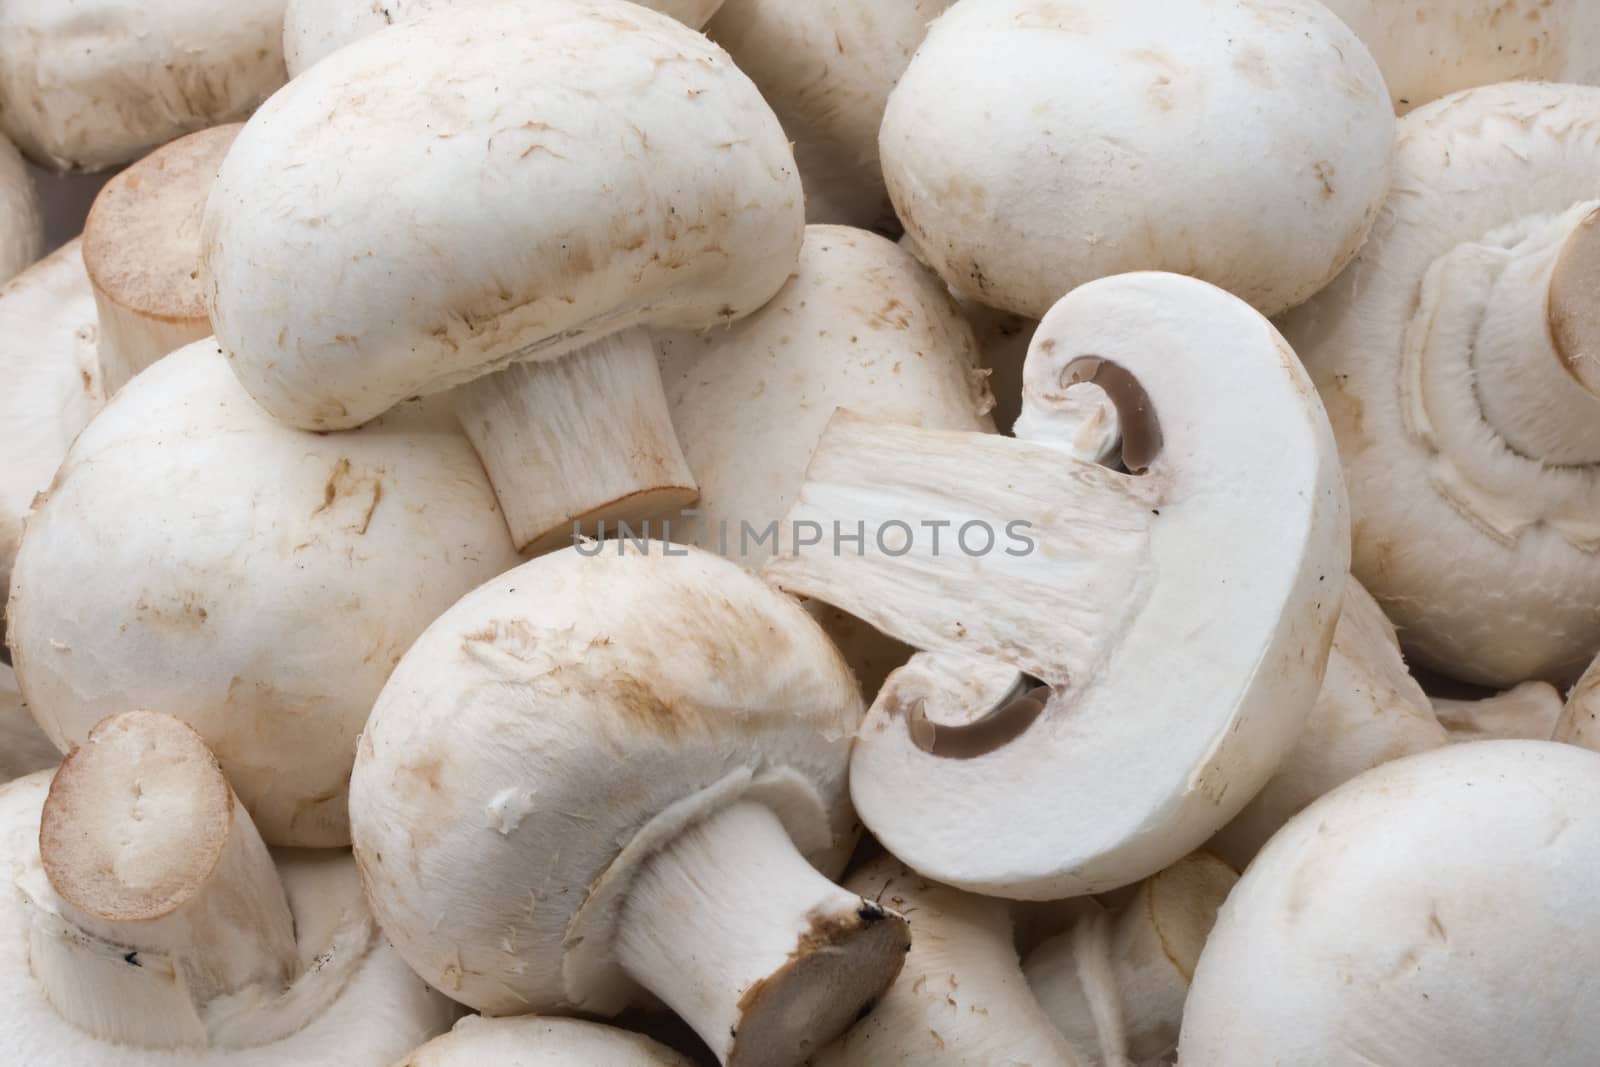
(130, 341)
(766, 959)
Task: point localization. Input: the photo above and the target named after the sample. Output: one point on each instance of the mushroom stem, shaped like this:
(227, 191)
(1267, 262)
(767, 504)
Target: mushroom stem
(572, 442)
(130, 341)
(1536, 355)
(765, 958)
(158, 899)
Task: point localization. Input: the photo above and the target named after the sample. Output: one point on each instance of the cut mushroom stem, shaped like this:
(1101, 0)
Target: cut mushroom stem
(572, 442)
(763, 956)
(162, 901)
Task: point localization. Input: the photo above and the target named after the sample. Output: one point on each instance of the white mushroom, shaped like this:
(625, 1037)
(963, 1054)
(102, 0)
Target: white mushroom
(593, 169)
(1528, 712)
(23, 746)
(1580, 719)
(141, 247)
(21, 221)
(258, 582)
(89, 84)
(860, 324)
(1459, 358)
(529, 1041)
(827, 68)
(1120, 660)
(314, 28)
(144, 923)
(1434, 912)
(1032, 147)
(597, 775)
(1115, 984)
(1431, 48)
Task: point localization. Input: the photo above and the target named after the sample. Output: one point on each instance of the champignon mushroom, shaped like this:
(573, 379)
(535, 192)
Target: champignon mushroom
(23, 746)
(314, 28)
(144, 923)
(141, 247)
(1115, 984)
(1458, 360)
(21, 222)
(574, 173)
(1433, 912)
(93, 83)
(1528, 712)
(1085, 699)
(1432, 48)
(257, 582)
(605, 773)
(827, 68)
(529, 1041)
(961, 998)
(1032, 147)
(1580, 719)
(860, 323)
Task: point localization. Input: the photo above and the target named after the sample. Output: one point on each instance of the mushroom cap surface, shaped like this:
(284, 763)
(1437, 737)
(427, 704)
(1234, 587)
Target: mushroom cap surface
(1033, 146)
(1436, 911)
(255, 581)
(557, 725)
(530, 1041)
(21, 222)
(452, 195)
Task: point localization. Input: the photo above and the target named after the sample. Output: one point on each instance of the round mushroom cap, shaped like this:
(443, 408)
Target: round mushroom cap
(1437, 912)
(455, 194)
(255, 581)
(23, 746)
(21, 223)
(1482, 555)
(314, 28)
(1032, 147)
(560, 723)
(529, 1041)
(93, 83)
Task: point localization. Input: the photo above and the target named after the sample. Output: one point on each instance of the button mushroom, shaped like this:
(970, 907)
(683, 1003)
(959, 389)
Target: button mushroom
(1032, 147)
(257, 582)
(144, 923)
(141, 247)
(21, 223)
(1457, 360)
(1122, 660)
(1374, 927)
(827, 68)
(529, 1041)
(860, 323)
(635, 754)
(573, 173)
(314, 28)
(90, 84)
(23, 746)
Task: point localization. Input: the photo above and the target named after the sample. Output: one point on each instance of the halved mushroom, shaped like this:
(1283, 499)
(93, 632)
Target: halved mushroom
(1459, 357)
(141, 247)
(827, 68)
(144, 923)
(1434, 912)
(314, 28)
(23, 746)
(574, 173)
(1032, 147)
(255, 581)
(530, 1041)
(860, 323)
(94, 83)
(21, 222)
(1119, 661)
(638, 755)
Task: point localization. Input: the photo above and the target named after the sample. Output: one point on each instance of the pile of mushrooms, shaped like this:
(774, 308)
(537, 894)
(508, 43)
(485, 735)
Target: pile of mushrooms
(744, 533)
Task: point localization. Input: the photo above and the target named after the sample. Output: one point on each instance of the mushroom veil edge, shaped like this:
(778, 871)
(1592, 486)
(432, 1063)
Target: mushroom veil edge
(1113, 663)
(619, 767)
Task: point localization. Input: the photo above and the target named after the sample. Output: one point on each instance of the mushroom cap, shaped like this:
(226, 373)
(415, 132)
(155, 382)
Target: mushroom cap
(49, 360)
(1437, 911)
(255, 581)
(529, 1041)
(380, 1012)
(495, 832)
(314, 28)
(23, 746)
(1244, 144)
(21, 223)
(94, 83)
(452, 195)
(1436, 493)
